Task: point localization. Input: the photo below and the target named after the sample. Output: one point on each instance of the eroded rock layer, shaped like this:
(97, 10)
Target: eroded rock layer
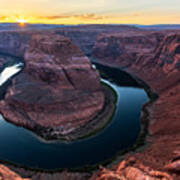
(130, 169)
(155, 58)
(14, 43)
(58, 90)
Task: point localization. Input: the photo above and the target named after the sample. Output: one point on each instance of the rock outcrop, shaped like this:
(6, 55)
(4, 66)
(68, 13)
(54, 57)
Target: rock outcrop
(130, 170)
(57, 92)
(7, 174)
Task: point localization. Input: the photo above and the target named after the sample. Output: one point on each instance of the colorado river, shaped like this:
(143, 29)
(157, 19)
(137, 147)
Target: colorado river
(20, 146)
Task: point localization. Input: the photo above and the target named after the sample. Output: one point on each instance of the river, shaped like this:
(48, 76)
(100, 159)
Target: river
(20, 146)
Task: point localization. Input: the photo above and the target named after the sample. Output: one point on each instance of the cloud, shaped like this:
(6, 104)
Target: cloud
(90, 16)
(3, 18)
(54, 17)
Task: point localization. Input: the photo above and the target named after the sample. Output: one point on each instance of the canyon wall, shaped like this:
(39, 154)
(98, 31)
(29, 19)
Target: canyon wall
(154, 57)
(14, 43)
(85, 36)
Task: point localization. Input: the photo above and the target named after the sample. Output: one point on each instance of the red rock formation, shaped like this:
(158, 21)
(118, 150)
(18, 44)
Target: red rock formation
(130, 170)
(156, 60)
(126, 48)
(58, 91)
(85, 36)
(14, 43)
(12, 174)
(137, 50)
(174, 165)
(7, 174)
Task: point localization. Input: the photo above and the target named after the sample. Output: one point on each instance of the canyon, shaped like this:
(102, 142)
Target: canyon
(152, 56)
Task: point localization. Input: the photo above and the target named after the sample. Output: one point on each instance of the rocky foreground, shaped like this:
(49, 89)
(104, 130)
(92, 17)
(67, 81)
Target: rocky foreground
(57, 92)
(153, 56)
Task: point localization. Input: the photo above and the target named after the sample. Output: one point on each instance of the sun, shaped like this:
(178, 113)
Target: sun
(22, 22)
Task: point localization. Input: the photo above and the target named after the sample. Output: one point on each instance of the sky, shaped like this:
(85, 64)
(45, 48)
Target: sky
(91, 11)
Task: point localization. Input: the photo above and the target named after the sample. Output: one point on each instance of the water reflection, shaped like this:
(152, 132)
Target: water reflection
(9, 72)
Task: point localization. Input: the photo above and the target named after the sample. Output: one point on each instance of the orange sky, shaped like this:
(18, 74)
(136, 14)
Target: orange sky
(91, 11)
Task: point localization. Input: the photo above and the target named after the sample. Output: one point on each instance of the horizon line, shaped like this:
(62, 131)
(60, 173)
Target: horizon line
(29, 23)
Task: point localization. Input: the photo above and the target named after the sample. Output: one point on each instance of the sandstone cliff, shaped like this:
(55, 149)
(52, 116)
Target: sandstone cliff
(14, 43)
(58, 90)
(15, 40)
(85, 36)
(155, 58)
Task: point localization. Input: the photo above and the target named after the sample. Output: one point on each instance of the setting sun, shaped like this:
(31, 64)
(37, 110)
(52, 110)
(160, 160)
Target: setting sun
(90, 12)
(22, 22)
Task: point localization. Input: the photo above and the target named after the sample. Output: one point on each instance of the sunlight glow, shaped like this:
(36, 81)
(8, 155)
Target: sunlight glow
(8, 72)
(90, 12)
(22, 22)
